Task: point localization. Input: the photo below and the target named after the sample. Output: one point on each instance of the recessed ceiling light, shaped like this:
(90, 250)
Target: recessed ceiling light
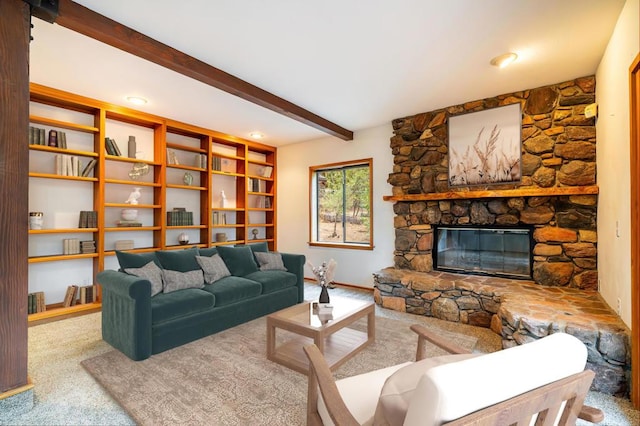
(137, 100)
(504, 60)
(256, 135)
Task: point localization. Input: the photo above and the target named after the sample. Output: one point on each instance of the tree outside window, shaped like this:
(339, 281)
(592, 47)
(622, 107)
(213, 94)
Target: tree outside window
(341, 204)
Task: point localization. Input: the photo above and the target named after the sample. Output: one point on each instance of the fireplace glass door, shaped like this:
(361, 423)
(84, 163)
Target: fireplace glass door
(491, 251)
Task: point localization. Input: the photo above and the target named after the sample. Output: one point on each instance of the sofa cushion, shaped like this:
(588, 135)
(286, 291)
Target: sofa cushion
(176, 280)
(239, 260)
(167, 306)
(213, 267)
(273, 280)
(260, 247)
(232, 289)
(210, 251)
(179, 260)
(150, 271)
(271, 261)
(135, 260)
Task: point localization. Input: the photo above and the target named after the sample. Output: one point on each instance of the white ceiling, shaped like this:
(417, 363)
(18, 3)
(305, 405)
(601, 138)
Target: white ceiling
(357, 63)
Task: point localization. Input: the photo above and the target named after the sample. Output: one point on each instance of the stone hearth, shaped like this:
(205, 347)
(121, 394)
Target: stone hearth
(519, 311)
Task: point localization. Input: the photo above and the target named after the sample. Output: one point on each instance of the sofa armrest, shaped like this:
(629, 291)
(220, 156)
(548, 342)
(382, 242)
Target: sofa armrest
(126, 313)
(295, 264)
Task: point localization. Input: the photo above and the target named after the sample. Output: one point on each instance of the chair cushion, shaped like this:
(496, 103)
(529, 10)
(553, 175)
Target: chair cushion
(271, 261)
(168, 306)
(179, 260)
(150, 271)
(360, 394)
(213, 267)
(239, 260)
(448, 392)
(232, 289)
(273, 280)
(175, 280)
(398, 389)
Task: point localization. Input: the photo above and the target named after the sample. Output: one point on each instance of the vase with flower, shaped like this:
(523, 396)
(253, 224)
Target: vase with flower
(324, 277)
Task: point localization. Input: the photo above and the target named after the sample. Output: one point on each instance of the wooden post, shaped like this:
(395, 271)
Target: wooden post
(14, 187)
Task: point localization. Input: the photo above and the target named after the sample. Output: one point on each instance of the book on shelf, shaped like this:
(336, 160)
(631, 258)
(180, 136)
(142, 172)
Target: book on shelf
(216, 164)
(201, 161)
(88, 219)
(70, 296)
(88, 246)
(53, 138)
(112, 147)
(179, 217)
(219, 218)
(257, 185)
(41, 136)
(67, 165)
(89, 167)
(128, 223)
(62, 140)
(124, 245)
(266, 171)
(70, 246)
(36, 136)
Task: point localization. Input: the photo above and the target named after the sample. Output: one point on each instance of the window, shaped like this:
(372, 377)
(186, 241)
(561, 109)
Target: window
(340, 205)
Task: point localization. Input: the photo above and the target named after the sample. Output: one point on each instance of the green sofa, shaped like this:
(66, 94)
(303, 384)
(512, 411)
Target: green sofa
(140, 325)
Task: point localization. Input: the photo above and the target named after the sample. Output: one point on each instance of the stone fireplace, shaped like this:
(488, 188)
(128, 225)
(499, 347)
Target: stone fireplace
(497, 251)
(556, 198)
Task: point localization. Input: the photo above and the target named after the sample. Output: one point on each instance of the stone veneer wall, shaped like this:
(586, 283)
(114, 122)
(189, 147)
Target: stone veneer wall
(558, 150)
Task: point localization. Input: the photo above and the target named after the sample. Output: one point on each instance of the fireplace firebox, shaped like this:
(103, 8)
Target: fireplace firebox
(504, 252)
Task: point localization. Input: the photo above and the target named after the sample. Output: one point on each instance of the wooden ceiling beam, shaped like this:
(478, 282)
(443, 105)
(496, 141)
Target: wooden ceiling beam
(91, 24)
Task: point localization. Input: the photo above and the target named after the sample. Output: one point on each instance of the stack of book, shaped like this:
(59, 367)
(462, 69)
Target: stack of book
(36, 302)
(179, 217)
(112, 147)
(88, 246)
(68, 165)
(124, 245)
(128, 223)
(88, 219)
(88, 294)
(70, 246)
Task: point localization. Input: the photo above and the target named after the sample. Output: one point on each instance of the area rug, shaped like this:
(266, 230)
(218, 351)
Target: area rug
(225, 379)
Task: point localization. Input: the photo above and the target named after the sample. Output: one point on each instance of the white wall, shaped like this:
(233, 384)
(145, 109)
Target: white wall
(354, 266)
(612, 95)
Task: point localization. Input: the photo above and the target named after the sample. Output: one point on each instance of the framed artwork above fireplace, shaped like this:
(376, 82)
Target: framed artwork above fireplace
(485, 147)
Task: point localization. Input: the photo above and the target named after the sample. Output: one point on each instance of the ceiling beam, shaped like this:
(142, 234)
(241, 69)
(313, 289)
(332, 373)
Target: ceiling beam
(91, 24)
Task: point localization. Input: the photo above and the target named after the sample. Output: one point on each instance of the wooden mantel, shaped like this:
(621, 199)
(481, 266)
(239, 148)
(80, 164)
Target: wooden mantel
(498, 193)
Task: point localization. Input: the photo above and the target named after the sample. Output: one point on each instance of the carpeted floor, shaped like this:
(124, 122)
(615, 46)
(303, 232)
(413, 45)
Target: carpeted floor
(67, 394)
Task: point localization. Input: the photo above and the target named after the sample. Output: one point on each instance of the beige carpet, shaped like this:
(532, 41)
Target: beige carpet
(226, 378)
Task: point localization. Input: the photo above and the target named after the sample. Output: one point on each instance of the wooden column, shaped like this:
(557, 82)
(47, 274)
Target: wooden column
(14, 187)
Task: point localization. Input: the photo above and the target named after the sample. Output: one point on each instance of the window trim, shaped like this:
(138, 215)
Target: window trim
(313, 207)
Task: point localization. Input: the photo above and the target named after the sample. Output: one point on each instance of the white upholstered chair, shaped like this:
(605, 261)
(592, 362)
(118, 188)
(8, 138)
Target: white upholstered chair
(542, 383)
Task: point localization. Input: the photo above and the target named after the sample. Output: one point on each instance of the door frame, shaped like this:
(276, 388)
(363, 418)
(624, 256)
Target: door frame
(634, 156)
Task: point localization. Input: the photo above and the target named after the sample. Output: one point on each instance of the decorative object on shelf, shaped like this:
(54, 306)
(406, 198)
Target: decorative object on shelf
(133, 197)
(324, 276)
(131, 145)
(36, 220)
(223, 199)
(183, 238)
(254, 232)
(172, 158)
(129, 214)
(221, 237)
(187, 178)
(138, 170)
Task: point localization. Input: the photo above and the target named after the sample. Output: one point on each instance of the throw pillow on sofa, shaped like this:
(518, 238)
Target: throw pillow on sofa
(213, 267)
(176, 280)
(179, 260)
(239, 260)
(271, 261)
(150, 271)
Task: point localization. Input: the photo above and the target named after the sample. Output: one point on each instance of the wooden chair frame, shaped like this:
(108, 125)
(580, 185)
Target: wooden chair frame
(545, 402)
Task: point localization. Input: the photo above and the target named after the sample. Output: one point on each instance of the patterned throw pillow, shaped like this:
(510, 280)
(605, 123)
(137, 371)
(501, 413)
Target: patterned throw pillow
(213, 267)
(271, 261)
(176, 280)
(150, 271)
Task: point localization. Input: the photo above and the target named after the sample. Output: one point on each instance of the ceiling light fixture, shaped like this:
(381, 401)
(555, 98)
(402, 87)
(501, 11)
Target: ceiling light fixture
(256, 135)
(504, 60)
(137, 100)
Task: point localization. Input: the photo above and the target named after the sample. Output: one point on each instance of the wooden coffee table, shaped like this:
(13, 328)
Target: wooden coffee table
(333, 337)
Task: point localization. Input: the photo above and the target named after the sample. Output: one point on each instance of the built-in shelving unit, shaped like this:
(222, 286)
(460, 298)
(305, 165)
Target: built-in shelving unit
(186, 168)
